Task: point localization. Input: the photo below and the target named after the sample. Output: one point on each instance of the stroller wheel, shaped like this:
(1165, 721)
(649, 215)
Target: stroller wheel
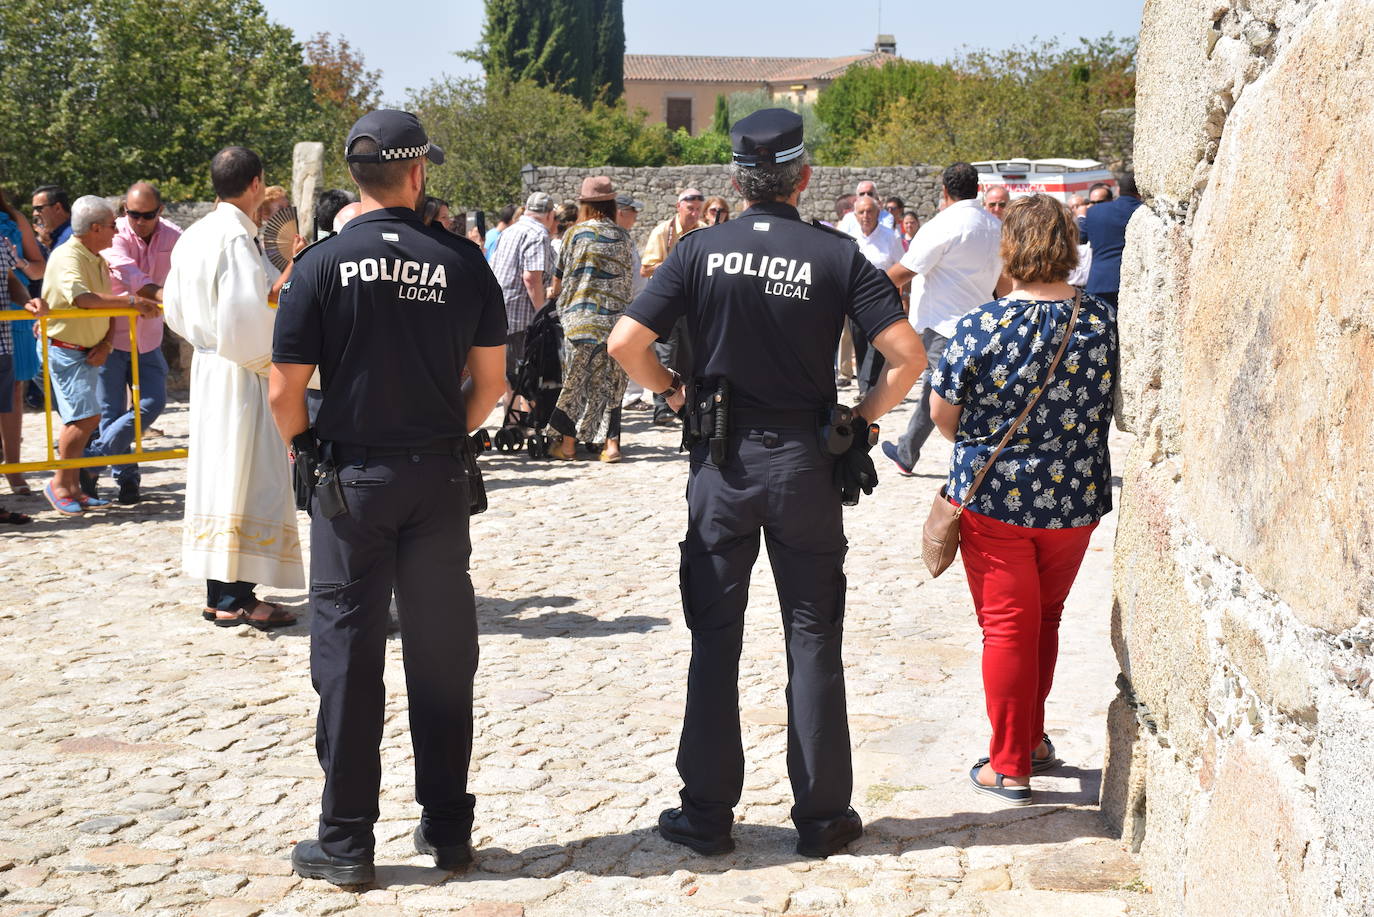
(506, 439)
(518, 437)
(537, 445)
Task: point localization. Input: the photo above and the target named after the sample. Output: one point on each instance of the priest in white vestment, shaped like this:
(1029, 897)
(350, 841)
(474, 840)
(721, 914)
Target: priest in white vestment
(240, 527)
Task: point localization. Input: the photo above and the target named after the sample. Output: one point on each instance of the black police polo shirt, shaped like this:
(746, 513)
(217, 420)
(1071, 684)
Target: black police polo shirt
(765, 297)
(388, 310)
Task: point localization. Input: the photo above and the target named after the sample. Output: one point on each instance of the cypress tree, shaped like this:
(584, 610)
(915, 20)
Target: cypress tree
(608, 61)
(720, 122)
(546, 41)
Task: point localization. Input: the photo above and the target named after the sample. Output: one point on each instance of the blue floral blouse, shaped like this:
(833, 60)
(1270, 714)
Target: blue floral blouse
(1055, 473)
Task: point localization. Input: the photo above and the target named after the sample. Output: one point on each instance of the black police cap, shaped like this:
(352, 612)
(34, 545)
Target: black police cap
(770, 136)
(398, 135)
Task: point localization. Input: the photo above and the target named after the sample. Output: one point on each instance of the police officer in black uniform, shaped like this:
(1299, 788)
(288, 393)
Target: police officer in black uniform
(393, 312)
(765, 297)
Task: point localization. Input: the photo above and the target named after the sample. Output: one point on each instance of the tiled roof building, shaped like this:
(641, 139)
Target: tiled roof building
(680, 89)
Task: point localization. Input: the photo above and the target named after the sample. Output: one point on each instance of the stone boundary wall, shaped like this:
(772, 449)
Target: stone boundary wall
(1240, 748)
(657, 188)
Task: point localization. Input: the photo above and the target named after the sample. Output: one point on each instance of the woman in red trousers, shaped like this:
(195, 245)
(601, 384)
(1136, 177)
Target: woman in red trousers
(1026, 528)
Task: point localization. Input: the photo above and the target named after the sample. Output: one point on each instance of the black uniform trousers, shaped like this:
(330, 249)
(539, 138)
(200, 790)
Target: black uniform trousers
(778, 482)
(407, 528)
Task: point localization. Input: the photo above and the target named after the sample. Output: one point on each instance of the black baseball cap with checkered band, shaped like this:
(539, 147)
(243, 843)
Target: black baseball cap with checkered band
(398, 135)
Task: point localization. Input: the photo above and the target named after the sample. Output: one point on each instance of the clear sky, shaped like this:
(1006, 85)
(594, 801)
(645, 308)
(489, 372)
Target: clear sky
(412, 41)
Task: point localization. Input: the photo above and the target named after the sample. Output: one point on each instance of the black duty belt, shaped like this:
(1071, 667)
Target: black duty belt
(346, 452)
(741, 418)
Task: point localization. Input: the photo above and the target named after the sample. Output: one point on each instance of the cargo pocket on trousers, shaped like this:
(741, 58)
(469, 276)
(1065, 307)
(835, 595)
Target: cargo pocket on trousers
(683, 583)
(335, 600)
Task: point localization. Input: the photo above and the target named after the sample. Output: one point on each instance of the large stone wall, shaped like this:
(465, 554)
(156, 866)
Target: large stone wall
(1241, 747)
(657, 188)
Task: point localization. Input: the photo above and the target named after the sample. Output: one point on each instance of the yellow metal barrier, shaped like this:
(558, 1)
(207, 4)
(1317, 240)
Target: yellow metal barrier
(53, 463)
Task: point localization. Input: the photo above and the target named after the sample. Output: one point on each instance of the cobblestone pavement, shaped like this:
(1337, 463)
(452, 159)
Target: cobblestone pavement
(154, 764)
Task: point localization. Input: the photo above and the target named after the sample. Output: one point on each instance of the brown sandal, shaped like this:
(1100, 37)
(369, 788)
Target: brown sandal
(277, 616)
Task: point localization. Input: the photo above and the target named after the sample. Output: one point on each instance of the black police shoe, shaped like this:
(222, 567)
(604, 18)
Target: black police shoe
(449, 857)
(675, 827)
(89, 483)
(310, 862)
(833, 838)
(129, 493)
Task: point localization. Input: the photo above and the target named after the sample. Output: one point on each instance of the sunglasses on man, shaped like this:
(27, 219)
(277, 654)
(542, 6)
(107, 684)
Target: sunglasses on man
(142, 215)
(692, 197)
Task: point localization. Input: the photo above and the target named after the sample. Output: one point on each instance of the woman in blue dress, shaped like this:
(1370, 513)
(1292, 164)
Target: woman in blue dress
(16, 232)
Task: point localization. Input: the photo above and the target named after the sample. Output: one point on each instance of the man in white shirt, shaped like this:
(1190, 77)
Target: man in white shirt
(956, 256)
(865, 189)
(883, 249)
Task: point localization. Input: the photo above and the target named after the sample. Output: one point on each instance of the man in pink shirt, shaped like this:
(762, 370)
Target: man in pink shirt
(139, 259)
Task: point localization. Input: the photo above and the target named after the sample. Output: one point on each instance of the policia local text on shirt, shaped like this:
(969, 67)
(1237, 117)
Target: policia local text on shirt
(765, 296)
(392, 312)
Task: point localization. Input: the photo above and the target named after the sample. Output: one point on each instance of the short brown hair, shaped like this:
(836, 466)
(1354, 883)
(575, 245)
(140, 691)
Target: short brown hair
(596, 210)
(1039, 240)
(377, 177)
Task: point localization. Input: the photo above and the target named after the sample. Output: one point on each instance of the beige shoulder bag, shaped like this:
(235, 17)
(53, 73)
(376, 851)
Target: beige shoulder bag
(940, 535)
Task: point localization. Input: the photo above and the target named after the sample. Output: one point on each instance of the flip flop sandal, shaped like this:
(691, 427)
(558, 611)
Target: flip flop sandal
(1011, 795)
(63, 505)
(9, 518)
(277, 617)
(1047, 763)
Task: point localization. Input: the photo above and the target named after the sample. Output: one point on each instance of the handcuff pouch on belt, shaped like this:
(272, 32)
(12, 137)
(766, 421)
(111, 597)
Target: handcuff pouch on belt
(477, 489)
(707, 417)
(316, 476)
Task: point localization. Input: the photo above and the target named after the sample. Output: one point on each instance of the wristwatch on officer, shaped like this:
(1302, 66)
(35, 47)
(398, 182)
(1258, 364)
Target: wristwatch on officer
(672, 387)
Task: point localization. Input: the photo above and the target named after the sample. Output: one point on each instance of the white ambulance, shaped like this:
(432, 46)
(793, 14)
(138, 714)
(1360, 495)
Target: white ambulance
(1058, 178)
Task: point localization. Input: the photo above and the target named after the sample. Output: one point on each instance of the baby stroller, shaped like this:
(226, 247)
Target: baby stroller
(539, 380)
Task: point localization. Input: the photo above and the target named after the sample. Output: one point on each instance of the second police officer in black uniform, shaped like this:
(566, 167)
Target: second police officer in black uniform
(393, 312)
(765, 297)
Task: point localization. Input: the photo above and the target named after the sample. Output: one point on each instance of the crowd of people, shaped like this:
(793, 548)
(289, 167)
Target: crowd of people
(530, 267)
(377, 405)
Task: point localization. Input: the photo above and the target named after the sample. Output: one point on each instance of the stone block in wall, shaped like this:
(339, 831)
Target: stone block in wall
(1345, 796)
(1158, 632)
(1280, 329)
(1154, 285)
(1250, 852)
(1172, 95)
(1122, 800)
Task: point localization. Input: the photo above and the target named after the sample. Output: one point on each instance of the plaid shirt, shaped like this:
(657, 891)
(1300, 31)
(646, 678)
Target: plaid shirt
(6, 328)
(522, 247)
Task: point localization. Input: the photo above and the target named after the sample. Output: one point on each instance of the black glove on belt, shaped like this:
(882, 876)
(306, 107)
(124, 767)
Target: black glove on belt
(854, 469)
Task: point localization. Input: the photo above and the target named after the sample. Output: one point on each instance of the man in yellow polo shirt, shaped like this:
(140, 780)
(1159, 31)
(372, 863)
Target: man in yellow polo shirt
(77, 278)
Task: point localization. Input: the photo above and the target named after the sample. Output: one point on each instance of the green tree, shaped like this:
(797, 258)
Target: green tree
(608, 57)
(100, 93)
(344, 90)
(489, 131)
(548, 42)
(1034, 101)
(849, 106)
(720, 121)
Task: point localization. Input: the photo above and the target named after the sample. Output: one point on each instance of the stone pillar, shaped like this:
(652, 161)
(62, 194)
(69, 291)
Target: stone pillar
(307, 174)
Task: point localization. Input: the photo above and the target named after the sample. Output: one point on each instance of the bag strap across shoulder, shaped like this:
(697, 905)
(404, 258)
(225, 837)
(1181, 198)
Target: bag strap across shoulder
(1016, 424)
